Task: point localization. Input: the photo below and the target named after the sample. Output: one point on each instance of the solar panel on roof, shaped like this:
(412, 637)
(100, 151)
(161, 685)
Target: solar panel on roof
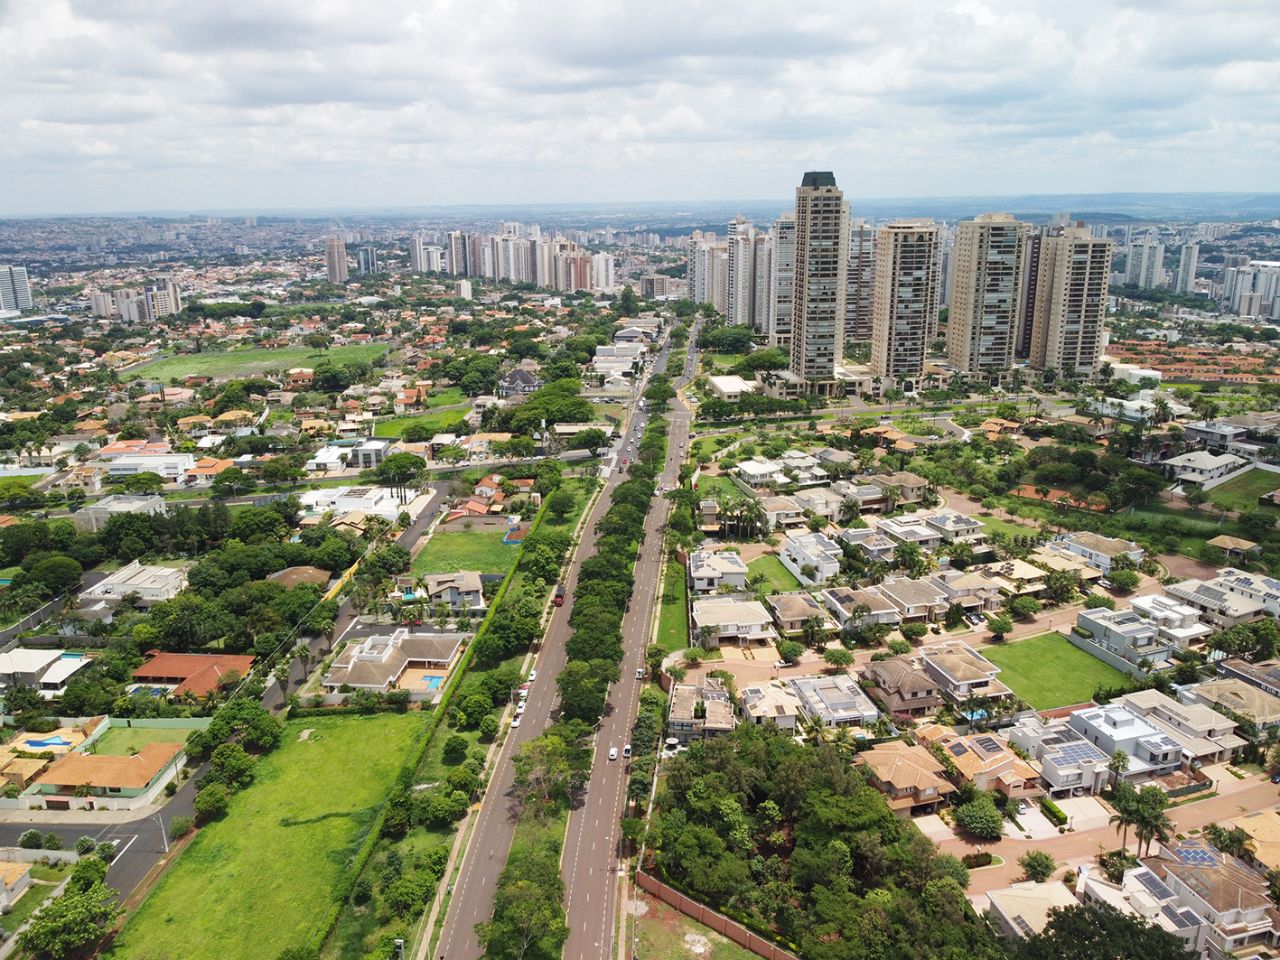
(988, 743)
(957, 749)
(1194, 856)
(1023, 927)
(1154, 885)
(1174, 916)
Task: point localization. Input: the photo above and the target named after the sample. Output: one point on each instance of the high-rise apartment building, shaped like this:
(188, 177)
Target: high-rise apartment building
(860, 298)
(1188, 259)
(986, 278)
(162, 300)
(782, 278)
(1071, 301)
(1145, 267)
(821, 281)
(15, 288)
(367, 261)
(335, 259)
(741, 249)
(1031, 242)
(908, 273)
(102, 304)
(709, 272)
(456, 254)
(761, 281)
(417, 254)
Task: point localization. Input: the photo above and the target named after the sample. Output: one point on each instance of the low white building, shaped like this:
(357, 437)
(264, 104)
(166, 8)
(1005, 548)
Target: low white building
(172, 466)
(150, 583)
(1098, 551)
(812, 550)
(374, 501)
(730, 387)
(1200, 466)
(709, 571)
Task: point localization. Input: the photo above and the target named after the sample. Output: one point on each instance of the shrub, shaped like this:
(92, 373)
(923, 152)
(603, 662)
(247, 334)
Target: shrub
(31, 840)
(975, 860)
(1037, 865)
(85, 845)
(52, 841)
(1053, 812)
(181, 825)
(980, 819)
(107, 851)
(914, 631)
(212, 802)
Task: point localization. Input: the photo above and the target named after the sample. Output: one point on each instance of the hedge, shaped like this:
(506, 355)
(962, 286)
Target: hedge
(975, 860)
(1053, 812)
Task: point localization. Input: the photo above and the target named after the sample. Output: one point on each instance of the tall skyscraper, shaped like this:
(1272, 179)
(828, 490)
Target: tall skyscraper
(1187, 262)
(1145, 268)
(862, 273)
(741, 248)
(761, 281)
(985, 282)
(1030, 282)
(782, 278)
(821, 281)
(367, 261)
(709, 272)
(1071, 301)
(908, 272)
(15, 288)
(335, 259)
(417, 254)
(456, 254)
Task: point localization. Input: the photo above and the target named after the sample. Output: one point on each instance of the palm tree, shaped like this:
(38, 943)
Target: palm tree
(1117, 766)
(1125, 802)
(811, 631)
(1152, 823)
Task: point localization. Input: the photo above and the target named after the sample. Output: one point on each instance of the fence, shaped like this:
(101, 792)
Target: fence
(1189, 789)
(760, 946)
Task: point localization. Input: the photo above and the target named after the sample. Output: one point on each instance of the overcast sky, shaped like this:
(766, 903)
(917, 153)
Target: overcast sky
(112, 105)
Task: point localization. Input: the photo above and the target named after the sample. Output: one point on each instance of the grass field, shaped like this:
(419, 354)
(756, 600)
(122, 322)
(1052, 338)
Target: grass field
(123, 741)
(1243, 492)
(666, 934)
(1047, 671)
(446, 396)
(241, 363)
(779, 577)
(435, 422)
(673, 618)
(481, 550)
(992, 525)
(711, 487)
(260, 880)
(36, 894)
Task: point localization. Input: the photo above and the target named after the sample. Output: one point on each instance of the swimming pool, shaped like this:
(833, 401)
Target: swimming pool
(48, 742)
(432, 683)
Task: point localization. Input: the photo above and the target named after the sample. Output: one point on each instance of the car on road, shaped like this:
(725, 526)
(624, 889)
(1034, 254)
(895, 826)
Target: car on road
(533, 675)
(639, 673)
(613, 753)
(781, 663)
(515, 721)
(1275, 778)
(520, 708)
(626, 751)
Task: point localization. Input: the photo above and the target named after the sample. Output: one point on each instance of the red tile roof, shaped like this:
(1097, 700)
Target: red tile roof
(194, 673)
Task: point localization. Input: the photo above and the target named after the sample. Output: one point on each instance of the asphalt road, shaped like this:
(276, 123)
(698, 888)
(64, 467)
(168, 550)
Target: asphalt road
(591, 862)
(486, 853)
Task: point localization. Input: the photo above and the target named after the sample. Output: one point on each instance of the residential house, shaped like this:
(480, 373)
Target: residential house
(1097, 550)
(1152, 752)
(461, 592)
(917, 601)
(519, 383)
(87, 478)
(171, 466)
(861, 606)
(369, 454)
(1145, 897)
(101, 782)
(92, 517)
(771, 702)
(1263, 828)
(700, 710)
(910, 777)
(45, 671)
(873, 545)
(1264, 674)
(1024, 909)
(1231, 897)
(1215, 435)
(400, 660)
(15, 879)
(834, 701)
(193, 674)
(1205, 735)
(782, 513)
(1233, 597)
(975, 592)
(963, 673)
(149, 583)
(1200, 466)
(956, 527)
(1069, 763)
(1014, 577)
(903, 687)
(910, 528)
(1176, 623)
(812, 558)
(206, 468)
(984, 760)
(1123, 639)
(718, 620)
(1236, 698)
(760, 473)
(791, 611)
(711, 570)
(822, 502)
(911, 489)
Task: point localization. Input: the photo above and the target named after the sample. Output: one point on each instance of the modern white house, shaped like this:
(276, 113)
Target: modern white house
(151, 583)
(834, 701)
(1205, 735)
(730, 620)
(1177, 623)
(1152, 752)
(811, 551)
(1098, 551)
(1123, 639)
(94, 516)
(172, 466)
(1232, 597)
(730, 387)
(1069, 763)
(1201, 466)
(1147, 898)
(710, 570)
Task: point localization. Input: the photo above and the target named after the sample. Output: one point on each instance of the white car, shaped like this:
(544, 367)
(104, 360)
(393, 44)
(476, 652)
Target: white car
(613, 753)
(515, 721)
(520, 708)
(533, 675)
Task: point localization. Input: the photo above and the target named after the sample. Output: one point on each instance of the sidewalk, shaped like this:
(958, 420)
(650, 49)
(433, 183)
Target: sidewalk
(61, 818)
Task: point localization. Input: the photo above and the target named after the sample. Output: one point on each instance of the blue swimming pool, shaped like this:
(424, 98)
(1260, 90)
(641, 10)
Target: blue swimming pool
(48, 742)
(432, 683)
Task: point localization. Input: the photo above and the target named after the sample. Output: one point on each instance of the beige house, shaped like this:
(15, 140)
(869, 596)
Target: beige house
(1238, 698)
(985, 760)
(909, 776)
(700, 710)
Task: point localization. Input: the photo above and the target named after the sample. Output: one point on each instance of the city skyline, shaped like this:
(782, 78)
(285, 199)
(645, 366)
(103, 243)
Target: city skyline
(300, 106)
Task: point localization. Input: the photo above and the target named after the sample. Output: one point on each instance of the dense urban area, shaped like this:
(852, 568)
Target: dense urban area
(825, 587)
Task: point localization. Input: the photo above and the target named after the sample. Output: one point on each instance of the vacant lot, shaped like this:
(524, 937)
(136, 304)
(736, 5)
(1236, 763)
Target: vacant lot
(779, 578)
(992, 525)
(673, 618)
(123, 741)
(242, 363)
(1047, 671)
(1243, 492)
(259, 881)
(480, 550)
(434, 422)
(711, 487)
(665, 934)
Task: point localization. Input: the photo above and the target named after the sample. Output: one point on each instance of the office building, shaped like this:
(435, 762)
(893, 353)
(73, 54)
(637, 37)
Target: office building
(1187, 262)
(1071, 301)
(782, 282)
(1145, 267)
(335, 259)
(15, 288)
(367, 261)
(907, 275)
(821, 281)
(860, 296)
(987, 277)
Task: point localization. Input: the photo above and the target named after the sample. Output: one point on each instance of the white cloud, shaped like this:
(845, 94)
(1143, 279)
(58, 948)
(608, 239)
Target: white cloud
(120, 104)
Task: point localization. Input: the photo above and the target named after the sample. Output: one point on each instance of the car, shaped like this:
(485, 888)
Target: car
(781, 663)
(520, 708)
(613, 753)
(515, 721)
(639, 673)
(533, 675)
(1022, 806)
(1275, 778)
(626, 751)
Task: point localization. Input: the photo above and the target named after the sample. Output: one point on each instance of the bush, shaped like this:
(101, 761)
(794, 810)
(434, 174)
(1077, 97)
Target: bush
(31, 840)
(85, 845)
(980, 819)
(455, 750)
(212, 802)
(1124, 580)
(975, 860)
(1053, 812)
(181, 825)
(1037, 865)
(52, 841)
(1095, 600)
(107, 851)
(914, 631)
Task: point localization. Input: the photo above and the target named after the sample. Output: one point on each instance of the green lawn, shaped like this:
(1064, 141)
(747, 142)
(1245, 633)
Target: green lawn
(711, 487)
(261, 880)
(446, 396)
(226, 363)
(780, 579)
(1047, 671)
(673, 618)
(992, 525)
(454, 550)
(123, 741)
(725, 360)
(36, 894)
(1243, 492)
(435, 422)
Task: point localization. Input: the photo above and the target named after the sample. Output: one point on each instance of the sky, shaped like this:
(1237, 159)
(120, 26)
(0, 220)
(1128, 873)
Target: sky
(119, 105)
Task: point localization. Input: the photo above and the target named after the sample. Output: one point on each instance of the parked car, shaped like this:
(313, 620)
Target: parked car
(639, 673)
(515, 721)
(520, 708)
(626, 751)
(533, 675)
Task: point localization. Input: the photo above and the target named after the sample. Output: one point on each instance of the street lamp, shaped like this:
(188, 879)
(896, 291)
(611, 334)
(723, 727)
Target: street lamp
(164, 837)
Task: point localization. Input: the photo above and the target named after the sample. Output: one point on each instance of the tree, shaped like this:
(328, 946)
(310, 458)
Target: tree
(1125, 581)
(1152, 822)
(231, 766)
(1257, 523)
(1117, 765)
(212, 802)
(56, 574)
(1037, 865)
(980, 819)
(561, 503)
(66, 926)
(455, 750)
(1097, 931)
(1024, 608)
(592, 439)
(999, 626)
(232, 482)
(31, 840)
(791, 651)
(837, 657)
(1124, 800)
